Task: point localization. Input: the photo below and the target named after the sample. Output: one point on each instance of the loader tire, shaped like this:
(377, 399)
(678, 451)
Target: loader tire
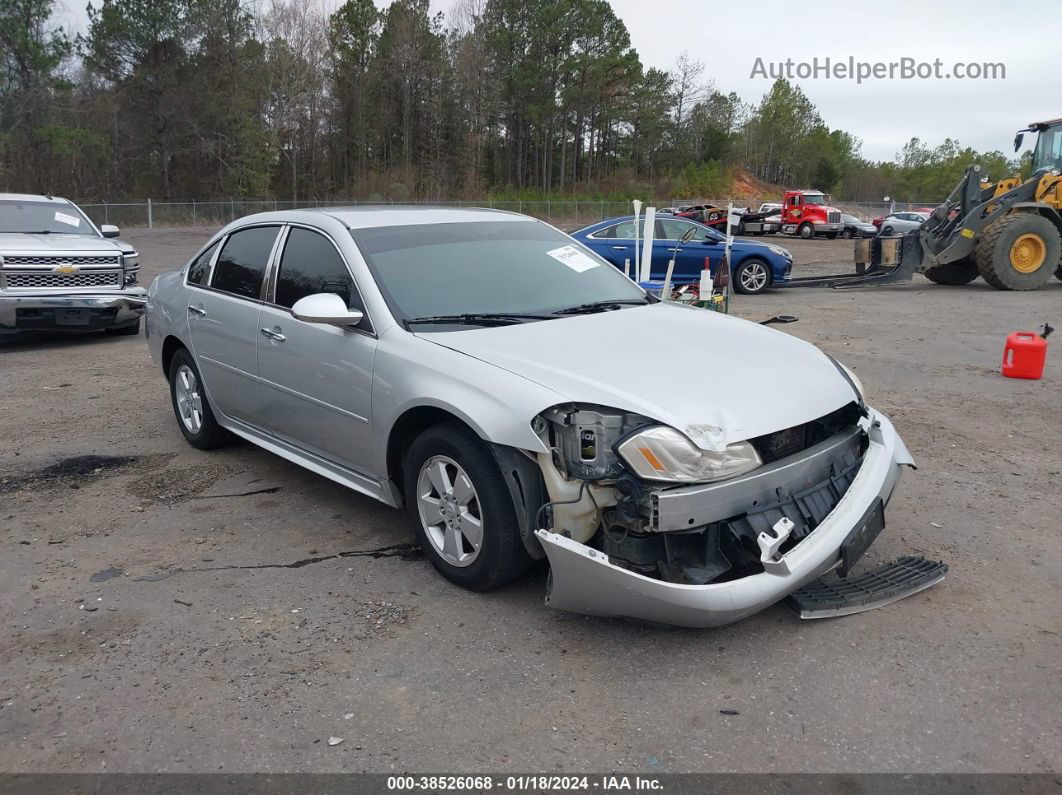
(1058, 273)
(962, 271)
(1019, 252)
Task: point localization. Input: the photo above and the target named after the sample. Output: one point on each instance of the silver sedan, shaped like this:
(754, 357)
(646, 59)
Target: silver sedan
(520, 398)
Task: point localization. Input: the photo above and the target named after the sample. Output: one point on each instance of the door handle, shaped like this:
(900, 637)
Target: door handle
(273, 335)
(621, 248)
(197, 310)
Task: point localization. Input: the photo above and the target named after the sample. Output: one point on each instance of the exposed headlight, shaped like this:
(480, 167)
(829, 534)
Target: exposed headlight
(856, 381)
(662, 453)
(781, 252)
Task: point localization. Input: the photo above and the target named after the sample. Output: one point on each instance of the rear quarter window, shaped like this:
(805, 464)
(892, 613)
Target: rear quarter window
(199, 270)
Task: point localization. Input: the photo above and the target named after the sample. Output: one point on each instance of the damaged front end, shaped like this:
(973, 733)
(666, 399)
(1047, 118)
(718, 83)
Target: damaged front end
(640, 526)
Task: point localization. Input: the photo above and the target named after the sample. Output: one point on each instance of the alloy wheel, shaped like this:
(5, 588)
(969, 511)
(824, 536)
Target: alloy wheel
(753, 277)
(449, 510)
(189, 401)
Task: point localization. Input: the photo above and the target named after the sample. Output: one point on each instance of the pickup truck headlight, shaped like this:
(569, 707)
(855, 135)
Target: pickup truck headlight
(662, 453)
(131, 266)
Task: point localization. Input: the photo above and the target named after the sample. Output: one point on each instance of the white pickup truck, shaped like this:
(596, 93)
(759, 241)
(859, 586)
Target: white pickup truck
(59, 271)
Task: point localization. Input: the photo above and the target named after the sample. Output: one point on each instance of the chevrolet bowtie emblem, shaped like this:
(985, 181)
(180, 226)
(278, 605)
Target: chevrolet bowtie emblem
(65, 267)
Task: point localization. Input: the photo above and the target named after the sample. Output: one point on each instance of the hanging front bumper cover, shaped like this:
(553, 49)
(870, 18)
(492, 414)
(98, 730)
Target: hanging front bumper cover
(583, 580)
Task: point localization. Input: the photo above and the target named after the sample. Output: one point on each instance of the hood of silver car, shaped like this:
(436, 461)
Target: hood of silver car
(718, 379)
(11, 242)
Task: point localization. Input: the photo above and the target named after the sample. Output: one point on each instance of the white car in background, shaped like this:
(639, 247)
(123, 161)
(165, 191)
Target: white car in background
(60, 272)
(902, 223)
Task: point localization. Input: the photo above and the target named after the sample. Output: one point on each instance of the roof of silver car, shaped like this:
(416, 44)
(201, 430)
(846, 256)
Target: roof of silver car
(31, 197)
(394, 215)
(365, 217)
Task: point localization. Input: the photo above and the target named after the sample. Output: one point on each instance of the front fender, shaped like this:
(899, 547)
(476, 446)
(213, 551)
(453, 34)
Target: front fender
(410, 372)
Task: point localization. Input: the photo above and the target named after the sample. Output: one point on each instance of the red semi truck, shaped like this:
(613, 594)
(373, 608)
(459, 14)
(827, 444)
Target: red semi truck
(808, 213)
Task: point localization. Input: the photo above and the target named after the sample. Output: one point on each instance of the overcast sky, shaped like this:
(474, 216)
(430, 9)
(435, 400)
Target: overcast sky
(729, 35)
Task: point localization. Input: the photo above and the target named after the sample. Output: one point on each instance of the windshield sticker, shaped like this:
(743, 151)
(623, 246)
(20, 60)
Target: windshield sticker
(573, 258)
(69, 220)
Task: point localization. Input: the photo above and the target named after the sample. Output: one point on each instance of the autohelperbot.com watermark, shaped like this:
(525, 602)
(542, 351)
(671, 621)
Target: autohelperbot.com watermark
(865, 71)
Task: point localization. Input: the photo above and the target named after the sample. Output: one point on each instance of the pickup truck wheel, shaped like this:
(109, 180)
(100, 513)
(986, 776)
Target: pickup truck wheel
(752, 276)
(806, 231)
(195, 418)
(461, 510)
(130, 330)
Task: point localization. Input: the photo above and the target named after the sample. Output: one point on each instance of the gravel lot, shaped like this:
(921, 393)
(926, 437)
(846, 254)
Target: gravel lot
(172, 610)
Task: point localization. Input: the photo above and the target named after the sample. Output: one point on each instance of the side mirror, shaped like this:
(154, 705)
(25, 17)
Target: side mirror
(1017, 141)
(326, 308)
(109, 230)
(688, 235)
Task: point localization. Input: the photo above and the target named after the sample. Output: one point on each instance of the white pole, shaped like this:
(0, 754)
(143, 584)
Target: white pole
(637, 214)
(151, 220)
(667, 279)
(729, 240)
(627, 267)
(646, 270)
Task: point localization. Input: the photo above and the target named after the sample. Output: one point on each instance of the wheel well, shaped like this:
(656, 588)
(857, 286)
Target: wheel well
(1050, 213)
(407, 428)
(170, 346)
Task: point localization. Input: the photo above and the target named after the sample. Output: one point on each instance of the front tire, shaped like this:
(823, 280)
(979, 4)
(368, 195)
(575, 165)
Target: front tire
(194, 415)
(1020, 251)
(806, 231)
(752, 276)
(461, 509)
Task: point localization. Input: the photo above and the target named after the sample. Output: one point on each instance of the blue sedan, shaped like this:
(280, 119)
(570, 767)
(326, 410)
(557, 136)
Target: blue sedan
(755, 266)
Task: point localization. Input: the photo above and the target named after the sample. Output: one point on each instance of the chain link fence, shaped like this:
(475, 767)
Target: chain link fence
(568, 215)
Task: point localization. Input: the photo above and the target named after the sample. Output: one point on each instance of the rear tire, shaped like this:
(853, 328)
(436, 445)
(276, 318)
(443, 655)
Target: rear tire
(847, 234)
(1020, 251)
(454, 492)
(194, 415)
(962, 271)
(887, 231)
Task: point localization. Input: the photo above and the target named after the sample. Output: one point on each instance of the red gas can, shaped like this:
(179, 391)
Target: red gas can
(1024, 355)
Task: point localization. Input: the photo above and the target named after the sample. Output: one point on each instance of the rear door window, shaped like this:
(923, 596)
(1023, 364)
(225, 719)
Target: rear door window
(241, 266)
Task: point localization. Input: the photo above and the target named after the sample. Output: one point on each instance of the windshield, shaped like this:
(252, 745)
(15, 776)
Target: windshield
(47, 217)
(814, 198)
(1048, 152)
(850, 219)
(492, 267)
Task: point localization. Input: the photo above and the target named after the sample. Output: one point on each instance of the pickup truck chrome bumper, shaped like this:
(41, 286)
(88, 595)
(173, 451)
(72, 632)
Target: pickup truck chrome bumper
(582, 580)
(127, 305)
